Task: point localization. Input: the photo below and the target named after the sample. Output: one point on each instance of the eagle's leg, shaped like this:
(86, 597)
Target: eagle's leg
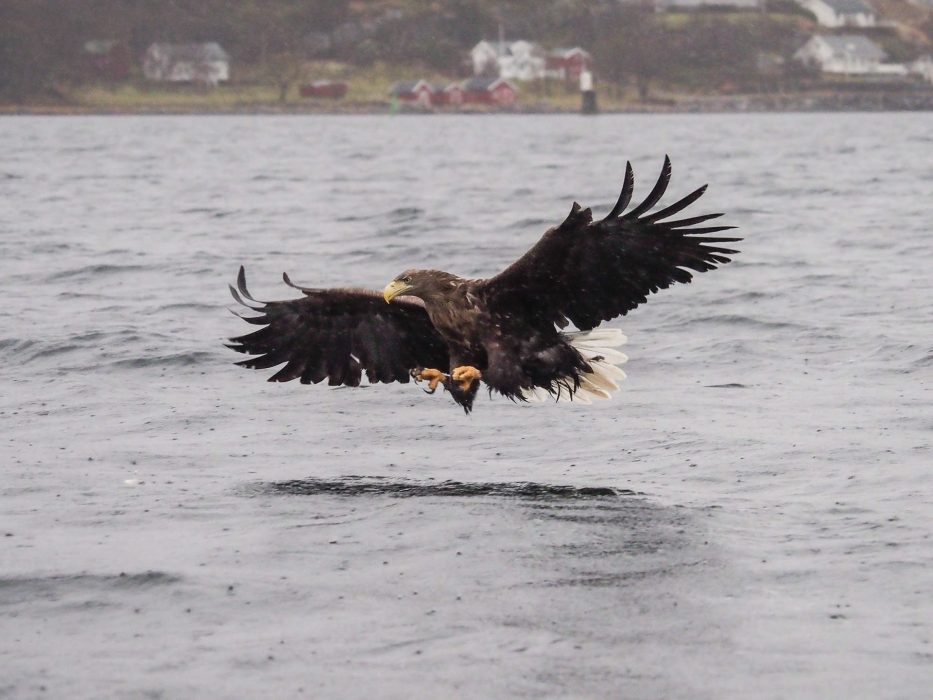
(432, 376)
(466, 375)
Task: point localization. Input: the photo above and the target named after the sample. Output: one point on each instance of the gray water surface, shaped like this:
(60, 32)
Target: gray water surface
(750, 517)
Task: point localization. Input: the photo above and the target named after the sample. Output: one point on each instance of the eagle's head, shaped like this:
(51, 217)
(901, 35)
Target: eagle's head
(424, 284)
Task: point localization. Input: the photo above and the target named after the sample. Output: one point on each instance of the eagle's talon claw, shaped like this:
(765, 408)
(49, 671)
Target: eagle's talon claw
(432, 376)
(465, 376)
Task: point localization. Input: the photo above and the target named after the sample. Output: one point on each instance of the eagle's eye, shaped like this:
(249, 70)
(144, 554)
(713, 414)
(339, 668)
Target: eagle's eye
(407, 279)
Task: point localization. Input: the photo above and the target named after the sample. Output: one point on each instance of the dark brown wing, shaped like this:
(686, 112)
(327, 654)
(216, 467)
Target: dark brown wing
(337, 334)
(589, 272)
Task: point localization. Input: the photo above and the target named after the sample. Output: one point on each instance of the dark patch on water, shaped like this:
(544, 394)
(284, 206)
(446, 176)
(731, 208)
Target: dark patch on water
(92, 271)
(177, 359)
(352, 486)
(405, 214)
(19, 589)
(730, 385)
(621, 578)
(746, 321)
(530, 222)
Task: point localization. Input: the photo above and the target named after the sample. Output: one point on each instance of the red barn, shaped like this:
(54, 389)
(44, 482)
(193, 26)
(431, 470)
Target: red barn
(489, 91)
(567, 64)
(415, 91)
(453, 94)
(327, 89)
(448, 94)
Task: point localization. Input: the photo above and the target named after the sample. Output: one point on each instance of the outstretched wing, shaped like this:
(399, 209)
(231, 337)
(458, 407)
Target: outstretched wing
(337, 334)
(588, 272)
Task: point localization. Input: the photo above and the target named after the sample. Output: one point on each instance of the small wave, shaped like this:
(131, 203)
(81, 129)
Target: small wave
(187, 306)
(925, 361)
(21, 589)
(349, 218)
(530, 222)
(740, 320)
(176, 359)
(94, 271)
(102, 343)
(403, 214)
(749, 296)
(79, 295)
(16, 345)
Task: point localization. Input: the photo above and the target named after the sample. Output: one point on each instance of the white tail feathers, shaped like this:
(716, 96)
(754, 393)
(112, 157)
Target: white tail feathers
(596, 346)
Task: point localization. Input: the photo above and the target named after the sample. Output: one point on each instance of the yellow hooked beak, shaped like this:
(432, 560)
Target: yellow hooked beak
(393, 289)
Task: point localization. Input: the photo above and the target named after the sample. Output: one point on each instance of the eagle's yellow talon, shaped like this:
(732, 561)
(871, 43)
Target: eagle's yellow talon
(432, 376)
(465, 375)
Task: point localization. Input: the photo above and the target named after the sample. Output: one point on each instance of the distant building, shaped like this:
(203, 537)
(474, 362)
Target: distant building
(448, 94)
(847, 54)
(204, 63)
(513, 60)
(106, 58)
(923, 67)
(327, 89)
(415, 91)
(841, 13)
(568, 64)
(484, 90)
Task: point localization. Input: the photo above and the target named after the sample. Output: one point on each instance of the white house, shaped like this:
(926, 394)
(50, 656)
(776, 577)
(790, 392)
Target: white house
(187, 63)
(512, 60)
(841, 13)
(847, 54)
(923, 67)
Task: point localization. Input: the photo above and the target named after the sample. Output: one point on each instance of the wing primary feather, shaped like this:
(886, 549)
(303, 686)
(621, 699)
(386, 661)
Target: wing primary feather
(680, 223)
(288, 280)
(239, 299)
(656, 193)
(255, 320)
(676, 206)
(628, 186)
(241, 285)
(707, 229)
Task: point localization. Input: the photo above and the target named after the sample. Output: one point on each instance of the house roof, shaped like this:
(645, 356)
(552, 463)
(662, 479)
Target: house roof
(854, 46)
(850, 7)
(404, 87)
(99, 46)
(507, 48)
(568, 52)
(207, 51)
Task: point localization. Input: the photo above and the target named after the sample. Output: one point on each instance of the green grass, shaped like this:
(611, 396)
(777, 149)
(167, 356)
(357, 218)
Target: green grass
(132, 96)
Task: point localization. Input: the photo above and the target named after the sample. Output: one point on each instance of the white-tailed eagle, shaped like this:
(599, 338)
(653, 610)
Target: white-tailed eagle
(506, 331)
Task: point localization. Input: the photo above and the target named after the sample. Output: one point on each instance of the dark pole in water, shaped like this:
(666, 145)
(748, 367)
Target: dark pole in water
(587, 93)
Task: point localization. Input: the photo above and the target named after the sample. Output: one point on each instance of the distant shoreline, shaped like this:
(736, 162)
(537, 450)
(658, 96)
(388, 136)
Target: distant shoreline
(787, 103)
